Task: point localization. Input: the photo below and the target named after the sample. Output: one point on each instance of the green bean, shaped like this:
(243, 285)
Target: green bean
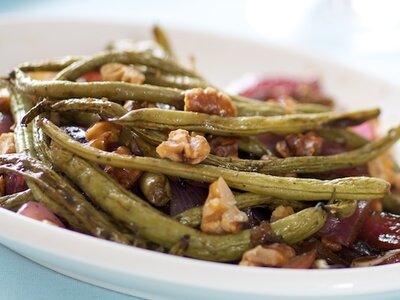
(25, 144)
(20, 104)
(39, 141)
(301, 225)
(126, 91)
(252, 107)
(64, 197)
(50, 65)
(15, 201)
(192, 217)
(151, 223)
(163, 230)
(253, 146)
(64, 200)
(161, 38)
(342, 136)
(280, 187)
(310, 164)
(175, 81)
(112, 90)
(84, 66)
(342, 208)
(156, 188)
(101, 106)
(160, 119)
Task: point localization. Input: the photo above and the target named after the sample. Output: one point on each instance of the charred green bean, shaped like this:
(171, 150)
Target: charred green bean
(280, 187)
(154, 118)
(156, 188)
(192, 217)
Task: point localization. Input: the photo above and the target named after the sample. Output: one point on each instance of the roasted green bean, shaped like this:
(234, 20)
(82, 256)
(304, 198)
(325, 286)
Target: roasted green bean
(280, 187)
(310, 164)
(15, 201)
(160, 119)
(163, 230)
(161, 38)
(192, 217)
(79, 68)
(156, 188)
(127, 91)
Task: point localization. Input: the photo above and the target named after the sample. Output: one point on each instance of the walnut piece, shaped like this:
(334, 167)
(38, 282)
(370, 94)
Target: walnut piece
(120, 72)
(220, 214)
(209, 101)
(102, 134)
(125, 176)
(223, 146)
(274, 255)
(281, 212)
(42, 75)
(335, 247)
(308, 144)
(182, 147)
(7, 144)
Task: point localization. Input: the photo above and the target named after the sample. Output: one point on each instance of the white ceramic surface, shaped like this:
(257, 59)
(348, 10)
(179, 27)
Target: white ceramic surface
(158, 276)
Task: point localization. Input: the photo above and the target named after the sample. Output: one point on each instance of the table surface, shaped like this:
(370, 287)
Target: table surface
(347, 31)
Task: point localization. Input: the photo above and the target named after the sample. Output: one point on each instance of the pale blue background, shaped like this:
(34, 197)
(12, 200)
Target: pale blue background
(362, 36)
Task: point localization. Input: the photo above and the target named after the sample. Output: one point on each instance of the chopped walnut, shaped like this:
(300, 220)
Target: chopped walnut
(182, 147)
(220, 214)
(281, 212)
(7, 144)
(102, 134)
(42, 75)
(223, 146)
(120, 72)
(308, 144)
(335, 247)
(209, 101)
(125, 176)
(274, 255)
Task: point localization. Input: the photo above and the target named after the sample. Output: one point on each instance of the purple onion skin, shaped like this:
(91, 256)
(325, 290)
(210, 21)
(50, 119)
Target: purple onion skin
(186, 195)
(6, 121)
(345, 231)
(14, 183)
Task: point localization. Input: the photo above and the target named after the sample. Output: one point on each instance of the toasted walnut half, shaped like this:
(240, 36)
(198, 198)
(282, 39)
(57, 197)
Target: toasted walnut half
(274, 255)
(220, 214)
(223, 146)
(7, 144)
(102, 134)
(209, 101)
(182, 147)
(120, 72)
(125, 176)
(308, 144)
(281, 212)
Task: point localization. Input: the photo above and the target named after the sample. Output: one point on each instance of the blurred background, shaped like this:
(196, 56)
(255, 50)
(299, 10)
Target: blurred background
(362, 33)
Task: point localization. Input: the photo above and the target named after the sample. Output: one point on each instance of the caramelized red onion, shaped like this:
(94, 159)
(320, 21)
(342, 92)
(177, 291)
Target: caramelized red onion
(38, 211)
(344, 231)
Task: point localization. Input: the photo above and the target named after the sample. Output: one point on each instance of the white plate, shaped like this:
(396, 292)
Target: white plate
(159, 276)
